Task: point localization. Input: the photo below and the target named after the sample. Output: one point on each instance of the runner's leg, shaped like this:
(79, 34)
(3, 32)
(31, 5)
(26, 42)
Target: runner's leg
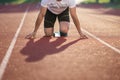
(49, 22)
(64, 27)
(64, 22)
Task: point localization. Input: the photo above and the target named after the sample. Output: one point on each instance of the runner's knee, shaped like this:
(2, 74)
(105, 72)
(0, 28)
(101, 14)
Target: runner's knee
(64, 34)
(48, 31)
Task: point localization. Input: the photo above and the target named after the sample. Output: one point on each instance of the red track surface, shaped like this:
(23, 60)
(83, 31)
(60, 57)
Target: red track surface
(61, 58)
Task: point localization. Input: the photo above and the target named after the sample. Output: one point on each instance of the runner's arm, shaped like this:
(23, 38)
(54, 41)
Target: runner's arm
(40, 18)
(76, 21)
(38, 22)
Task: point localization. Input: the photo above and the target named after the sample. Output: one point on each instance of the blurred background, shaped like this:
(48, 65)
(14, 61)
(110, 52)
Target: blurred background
(109, 3)
(5, 2)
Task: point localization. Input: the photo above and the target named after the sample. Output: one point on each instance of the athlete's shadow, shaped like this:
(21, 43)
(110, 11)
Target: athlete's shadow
(38, 50)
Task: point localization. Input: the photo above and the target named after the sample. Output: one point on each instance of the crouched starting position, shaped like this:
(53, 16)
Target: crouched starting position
(52, 9)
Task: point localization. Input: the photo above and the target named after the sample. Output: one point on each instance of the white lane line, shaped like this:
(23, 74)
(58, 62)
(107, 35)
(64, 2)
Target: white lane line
(6, 58)
(103, 42)
(100, 40)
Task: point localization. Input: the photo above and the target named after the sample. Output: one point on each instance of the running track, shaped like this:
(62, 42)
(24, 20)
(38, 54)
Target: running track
(95, 58)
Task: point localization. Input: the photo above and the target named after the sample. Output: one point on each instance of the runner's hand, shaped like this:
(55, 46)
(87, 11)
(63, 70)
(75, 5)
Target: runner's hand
(82, 36)
(31, 35)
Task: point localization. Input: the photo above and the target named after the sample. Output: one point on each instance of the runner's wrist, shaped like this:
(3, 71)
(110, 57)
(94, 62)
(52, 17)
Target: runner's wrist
(34, 32)
(80, 32)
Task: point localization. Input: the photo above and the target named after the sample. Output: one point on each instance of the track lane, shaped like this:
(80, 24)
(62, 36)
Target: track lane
(9, 21)
(10, 49)
(101, 27)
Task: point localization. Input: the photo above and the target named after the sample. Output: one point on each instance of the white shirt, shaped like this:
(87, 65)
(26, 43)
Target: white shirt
(57, 7)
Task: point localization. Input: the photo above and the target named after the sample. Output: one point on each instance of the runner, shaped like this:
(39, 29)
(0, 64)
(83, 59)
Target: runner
(52, 9)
